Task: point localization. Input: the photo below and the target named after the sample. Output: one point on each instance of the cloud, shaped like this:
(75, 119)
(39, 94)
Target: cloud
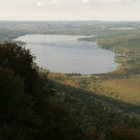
(57, 3)
(40, 3)
(86, 1)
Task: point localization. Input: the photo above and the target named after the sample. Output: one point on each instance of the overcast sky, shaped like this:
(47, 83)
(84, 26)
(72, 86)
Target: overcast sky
(53, 10)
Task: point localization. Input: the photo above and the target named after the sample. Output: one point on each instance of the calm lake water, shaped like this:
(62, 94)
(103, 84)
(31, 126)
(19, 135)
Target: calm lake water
(63, 53)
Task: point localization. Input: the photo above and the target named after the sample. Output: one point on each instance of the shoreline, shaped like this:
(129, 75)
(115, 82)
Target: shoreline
(70, 74)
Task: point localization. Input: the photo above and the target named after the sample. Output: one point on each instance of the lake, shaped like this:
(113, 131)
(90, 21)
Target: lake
(63, 53)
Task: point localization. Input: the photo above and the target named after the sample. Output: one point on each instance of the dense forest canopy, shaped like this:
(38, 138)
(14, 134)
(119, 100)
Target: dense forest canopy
(37, 104)
(26, 112)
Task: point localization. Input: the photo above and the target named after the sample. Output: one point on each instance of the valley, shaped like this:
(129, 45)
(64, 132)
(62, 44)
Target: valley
(103, 106)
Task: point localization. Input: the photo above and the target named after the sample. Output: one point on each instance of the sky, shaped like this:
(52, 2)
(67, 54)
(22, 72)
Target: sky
(69, 10)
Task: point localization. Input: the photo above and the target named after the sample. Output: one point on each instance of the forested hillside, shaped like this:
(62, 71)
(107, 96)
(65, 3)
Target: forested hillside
(37, 104)
(26, 111)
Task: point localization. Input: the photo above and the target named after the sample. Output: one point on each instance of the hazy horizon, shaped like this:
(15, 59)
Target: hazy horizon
(70, 10)
(71, 20)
